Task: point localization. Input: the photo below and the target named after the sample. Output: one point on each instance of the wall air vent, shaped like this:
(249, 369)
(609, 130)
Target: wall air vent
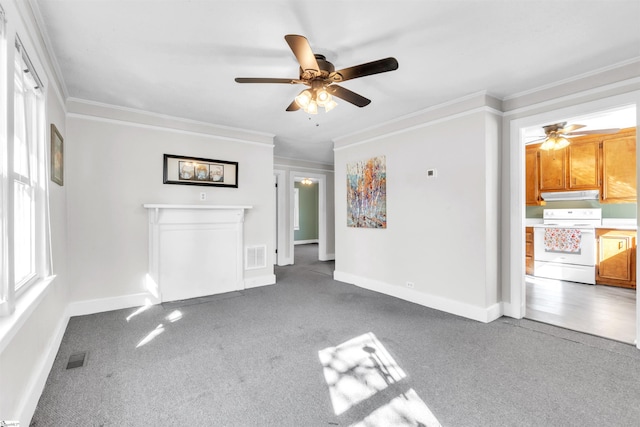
(255, 257)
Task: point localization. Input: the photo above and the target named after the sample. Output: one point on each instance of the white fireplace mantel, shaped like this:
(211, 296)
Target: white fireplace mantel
(195, 250)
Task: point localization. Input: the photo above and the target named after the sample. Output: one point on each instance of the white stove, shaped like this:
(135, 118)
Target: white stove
(565, 245)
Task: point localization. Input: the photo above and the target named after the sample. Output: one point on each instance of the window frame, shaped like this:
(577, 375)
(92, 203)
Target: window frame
(11, 291)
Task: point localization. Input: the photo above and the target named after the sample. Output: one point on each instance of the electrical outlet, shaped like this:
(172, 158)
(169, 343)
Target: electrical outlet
(432, 173)
(410, 285)
(203, 196)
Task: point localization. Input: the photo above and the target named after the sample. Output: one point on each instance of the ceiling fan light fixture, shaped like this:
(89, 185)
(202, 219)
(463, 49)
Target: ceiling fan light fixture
(312, 107)
(330, 105)
(322, 97)
(561, 143)
(304, 98)
(548, 144)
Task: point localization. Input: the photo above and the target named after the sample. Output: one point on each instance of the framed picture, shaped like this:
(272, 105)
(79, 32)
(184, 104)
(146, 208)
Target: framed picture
(57, 156)
(198, 171)
(367, 193)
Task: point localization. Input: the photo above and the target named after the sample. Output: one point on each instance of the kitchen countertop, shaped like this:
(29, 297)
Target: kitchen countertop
(619, 223)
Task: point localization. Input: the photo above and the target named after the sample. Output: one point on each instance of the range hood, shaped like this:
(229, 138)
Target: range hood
(571, 195)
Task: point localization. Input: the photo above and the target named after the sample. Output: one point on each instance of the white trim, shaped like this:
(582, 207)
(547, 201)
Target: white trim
(382, 134)
(167, 128)
(484, 315)
(34, 389)
(52, 59)
(281, 216)
(507, 310)
(329, 257)
(306, 161)
(573, 96)
(516, 207)
(165, 117)
(281, 165)
(322, 211)
(432, 108)
(572, 79)
(255, 282)
(305, 242)
(25, 306)
(99, 305)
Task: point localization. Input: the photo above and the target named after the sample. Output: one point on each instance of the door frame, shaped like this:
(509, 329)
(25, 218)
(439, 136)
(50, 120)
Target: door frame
(281, 224)
(516, 306)
(322, 212)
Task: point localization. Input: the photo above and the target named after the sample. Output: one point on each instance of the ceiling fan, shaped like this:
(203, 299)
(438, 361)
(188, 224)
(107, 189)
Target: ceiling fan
(557, 135)
(321, 77)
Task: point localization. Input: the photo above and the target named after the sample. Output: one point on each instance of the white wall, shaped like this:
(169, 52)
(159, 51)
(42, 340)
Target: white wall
(115, 165)
(442, 233)
(26, 357)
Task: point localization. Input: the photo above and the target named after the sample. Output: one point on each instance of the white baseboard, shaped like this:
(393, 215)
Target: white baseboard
(327, 257)
(255, 282)
(458, 308)
(509, 310)
(81, 308)
(41, 373)
(305, 242)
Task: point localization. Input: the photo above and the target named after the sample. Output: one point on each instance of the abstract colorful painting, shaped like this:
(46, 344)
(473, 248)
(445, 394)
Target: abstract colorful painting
(367, 193)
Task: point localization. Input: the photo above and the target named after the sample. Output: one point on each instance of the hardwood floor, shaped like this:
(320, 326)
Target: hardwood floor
(605, 311)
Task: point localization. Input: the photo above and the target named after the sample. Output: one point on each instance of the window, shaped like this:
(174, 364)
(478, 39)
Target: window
(24, 182)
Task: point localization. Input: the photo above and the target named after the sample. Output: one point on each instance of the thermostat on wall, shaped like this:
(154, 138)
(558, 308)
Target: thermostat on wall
(432, 173)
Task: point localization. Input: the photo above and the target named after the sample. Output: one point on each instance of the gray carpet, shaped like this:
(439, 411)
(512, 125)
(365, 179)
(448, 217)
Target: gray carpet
(310, 351)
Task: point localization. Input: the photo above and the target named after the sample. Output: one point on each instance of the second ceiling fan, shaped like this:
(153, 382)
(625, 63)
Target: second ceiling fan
(321, 77)
(556, 135)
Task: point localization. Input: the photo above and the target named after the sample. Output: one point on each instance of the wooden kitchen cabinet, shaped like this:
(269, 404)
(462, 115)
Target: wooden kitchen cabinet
(619, 167)
(591, 162)
(532, 193)
(616, 264)
(583, 159)
(552, 170)
(529, 251)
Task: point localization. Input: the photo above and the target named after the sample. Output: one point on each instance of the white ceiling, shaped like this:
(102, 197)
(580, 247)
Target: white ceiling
(179, 57)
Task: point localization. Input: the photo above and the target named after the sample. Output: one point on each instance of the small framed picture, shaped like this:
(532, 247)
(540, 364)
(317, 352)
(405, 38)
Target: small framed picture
(57, 156)
(198, 171)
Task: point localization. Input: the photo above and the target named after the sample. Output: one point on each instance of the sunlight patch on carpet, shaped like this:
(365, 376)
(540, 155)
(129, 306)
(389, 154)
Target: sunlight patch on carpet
(406, 409)
(157, 331)
(359, 368)
(356, 370)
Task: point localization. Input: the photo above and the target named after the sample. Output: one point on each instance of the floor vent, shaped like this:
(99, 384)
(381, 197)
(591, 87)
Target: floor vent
(255, 257)
(77, 360)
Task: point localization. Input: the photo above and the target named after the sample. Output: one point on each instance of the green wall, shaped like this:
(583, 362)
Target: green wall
(308, 195)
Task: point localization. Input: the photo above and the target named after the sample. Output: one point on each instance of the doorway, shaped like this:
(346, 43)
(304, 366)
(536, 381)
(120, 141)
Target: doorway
(321, 182)
(305, 217)
(522, 301)
(285, 213)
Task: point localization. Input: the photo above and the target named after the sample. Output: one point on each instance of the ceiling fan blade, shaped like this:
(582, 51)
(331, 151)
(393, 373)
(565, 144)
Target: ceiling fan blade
(293, 106)
(375, 67)
(571, 128)
(594, 132)
(348, 96)
(540, 139)
(302, 50)
(265, 80)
